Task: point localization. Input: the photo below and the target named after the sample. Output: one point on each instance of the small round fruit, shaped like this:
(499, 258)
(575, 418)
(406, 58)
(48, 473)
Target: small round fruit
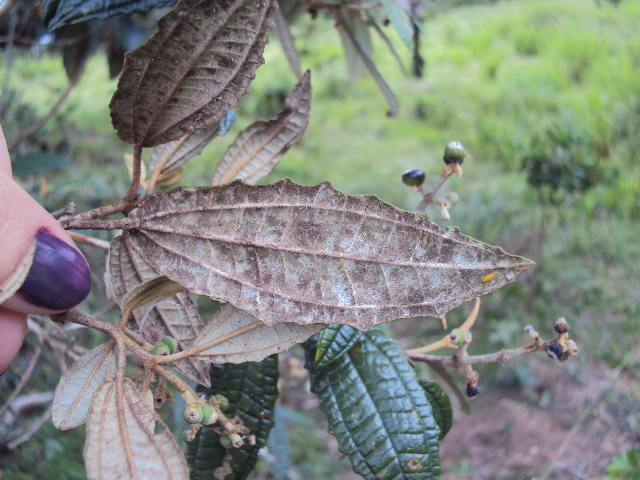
(209, 415)
(171, 343)
(561, 325)
(223, 401)
(453, 198)
(454, 153)
(225, 441)
(161, 349)
(554, 350)
(414, 177)
(193, 413)
(471, 391)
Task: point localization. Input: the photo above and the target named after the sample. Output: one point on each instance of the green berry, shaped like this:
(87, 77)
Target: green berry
(453, 198)
(454, 153)
(209, 415)
(225, 441)
(414, 177)
(223, 401)
(170, 342)
(161, 349)
(193, 413)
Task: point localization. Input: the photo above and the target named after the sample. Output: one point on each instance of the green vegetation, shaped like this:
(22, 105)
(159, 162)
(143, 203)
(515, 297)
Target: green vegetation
(498, 78)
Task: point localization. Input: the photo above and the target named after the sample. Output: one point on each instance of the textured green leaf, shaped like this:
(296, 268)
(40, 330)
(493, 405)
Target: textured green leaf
(440, 405)
(378, 411)
(333, 342)
(192, 71)
(56, 13)
(252, 391)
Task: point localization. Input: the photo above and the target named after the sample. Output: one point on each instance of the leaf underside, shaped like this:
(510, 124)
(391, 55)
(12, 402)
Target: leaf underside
(252, 391)
(121, 442)
(261, 146)
(192, 71)
(333, 342)
(291, 253)
(174, 155)
(237, 337)
(377, 411)
(78, 385)
(176, 316)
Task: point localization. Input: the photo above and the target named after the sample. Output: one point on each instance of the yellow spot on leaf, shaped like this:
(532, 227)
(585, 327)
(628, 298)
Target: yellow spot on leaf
(488, 278)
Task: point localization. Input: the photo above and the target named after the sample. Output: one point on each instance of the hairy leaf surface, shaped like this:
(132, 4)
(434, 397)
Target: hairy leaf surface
(262, 145)
(234, 336)
(78, 385)
(291, 253)
(176, 316)
(252, 390)
(192, 71)
(377, 411)
(176, 154)
(56, 13)
(333, 342)
(121, 442)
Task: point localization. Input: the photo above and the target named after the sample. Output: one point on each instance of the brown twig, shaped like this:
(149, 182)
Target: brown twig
(429, 197)
(68, 210)
(94, 242)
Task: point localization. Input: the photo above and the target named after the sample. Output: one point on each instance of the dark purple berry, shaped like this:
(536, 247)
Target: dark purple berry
(554, 350)
(414, 177)
(471, 391)
(454, 153)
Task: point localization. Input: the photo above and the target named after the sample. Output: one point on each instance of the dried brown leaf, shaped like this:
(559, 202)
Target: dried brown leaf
(176, 154)
(121, 443)
(192, 70)
(291, 253)
(176, 317)
(261, 146)
(79, 384)
(234, 336)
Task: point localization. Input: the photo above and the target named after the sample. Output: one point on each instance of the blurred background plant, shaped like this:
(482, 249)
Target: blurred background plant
(545, 97)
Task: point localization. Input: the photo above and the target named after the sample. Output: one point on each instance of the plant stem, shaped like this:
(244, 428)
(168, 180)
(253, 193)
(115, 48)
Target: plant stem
(94, 242)
(78, 222)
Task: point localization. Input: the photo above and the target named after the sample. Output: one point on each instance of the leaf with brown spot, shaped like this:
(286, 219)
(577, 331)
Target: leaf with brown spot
(121, 442)
(193, 70)
(261, 146)
(176, 316)
(234, 336)
(78, 385)
(291, 253)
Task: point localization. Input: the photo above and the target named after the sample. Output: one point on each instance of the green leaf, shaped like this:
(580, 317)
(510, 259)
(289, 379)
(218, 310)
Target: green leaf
(252, 392)
(192, 71)
(333, 342)
(378, 411)
(56, 13)
(440, 405)
(401, 20)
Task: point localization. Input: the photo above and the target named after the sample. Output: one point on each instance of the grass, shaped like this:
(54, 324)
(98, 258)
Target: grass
(496, 76)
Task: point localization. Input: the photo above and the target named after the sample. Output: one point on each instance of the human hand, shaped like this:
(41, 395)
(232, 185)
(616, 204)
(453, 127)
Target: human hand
(31, 240)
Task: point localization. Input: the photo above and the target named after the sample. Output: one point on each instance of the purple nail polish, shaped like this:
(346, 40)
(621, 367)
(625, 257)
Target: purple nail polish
(59, 277)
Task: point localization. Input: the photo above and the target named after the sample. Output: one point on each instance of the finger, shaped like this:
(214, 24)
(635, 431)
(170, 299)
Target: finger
(13, 326)
(5, 163)
(58, 277)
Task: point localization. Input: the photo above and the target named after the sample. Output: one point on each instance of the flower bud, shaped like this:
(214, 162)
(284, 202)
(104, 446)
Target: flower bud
(209, 415)
(170, 342)
(193, 413)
